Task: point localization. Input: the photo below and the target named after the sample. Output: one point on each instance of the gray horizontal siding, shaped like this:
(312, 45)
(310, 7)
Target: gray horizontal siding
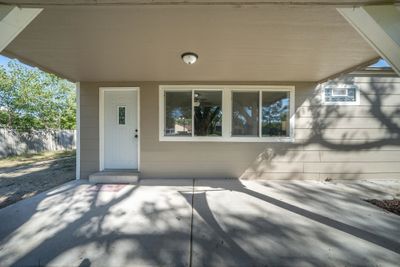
(339, 142)
(345, 135)
(344, 111)
(353, 123)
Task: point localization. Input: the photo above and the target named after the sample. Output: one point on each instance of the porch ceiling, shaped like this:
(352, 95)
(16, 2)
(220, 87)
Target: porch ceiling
(234, 43)
(197, 2)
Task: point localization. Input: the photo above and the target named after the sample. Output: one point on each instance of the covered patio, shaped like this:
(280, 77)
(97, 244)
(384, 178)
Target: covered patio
(129, 52)
(115, 49)
(126, 55)
(203, 223)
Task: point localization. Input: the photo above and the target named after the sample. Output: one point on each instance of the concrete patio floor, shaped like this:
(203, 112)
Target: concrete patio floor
(203, 223)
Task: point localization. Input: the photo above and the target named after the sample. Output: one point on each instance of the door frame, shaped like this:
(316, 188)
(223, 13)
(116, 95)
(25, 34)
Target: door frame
(101, 121)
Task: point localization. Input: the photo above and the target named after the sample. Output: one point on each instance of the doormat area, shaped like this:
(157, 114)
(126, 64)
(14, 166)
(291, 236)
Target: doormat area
(106, 187)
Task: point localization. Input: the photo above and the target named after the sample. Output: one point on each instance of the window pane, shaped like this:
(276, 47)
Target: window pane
(208, 113)
(178, 113)
(340, 94)
(121, 115)
(275, 114)
(245, 113)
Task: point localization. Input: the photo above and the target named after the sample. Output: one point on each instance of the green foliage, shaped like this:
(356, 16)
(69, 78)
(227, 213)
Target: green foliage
(33, 99)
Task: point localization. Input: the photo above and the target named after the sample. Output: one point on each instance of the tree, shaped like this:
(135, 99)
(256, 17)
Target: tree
(33, 99)
(206, 119)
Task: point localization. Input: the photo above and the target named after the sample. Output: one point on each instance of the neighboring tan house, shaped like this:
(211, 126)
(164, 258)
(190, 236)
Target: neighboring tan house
(279, 90)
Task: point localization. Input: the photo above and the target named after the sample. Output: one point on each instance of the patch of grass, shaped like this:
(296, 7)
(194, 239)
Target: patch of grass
(15, 161)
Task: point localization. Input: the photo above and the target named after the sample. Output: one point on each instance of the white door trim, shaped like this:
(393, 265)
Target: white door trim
(101, 121)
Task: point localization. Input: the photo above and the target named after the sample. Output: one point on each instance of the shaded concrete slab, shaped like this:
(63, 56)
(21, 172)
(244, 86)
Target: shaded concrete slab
(79, 224)
(206, 223)
(291, 223)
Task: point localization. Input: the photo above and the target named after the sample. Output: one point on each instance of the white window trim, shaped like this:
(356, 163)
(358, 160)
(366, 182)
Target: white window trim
(341, 103)
(226, 112)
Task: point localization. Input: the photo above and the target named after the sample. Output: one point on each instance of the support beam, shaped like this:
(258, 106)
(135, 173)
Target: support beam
(309, 3)
(13, 20)
(78, 131)
(380, 27)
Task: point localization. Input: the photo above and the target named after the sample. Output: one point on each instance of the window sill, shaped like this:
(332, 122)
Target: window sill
(355, 103)
(227, 139)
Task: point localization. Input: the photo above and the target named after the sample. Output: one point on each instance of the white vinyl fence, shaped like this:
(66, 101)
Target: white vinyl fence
(13, 142)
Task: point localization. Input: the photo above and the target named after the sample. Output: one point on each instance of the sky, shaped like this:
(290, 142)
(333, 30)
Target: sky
(4, 60)
(381, 63)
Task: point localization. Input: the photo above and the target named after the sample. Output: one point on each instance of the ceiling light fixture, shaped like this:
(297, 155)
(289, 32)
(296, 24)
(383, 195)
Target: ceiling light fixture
(189, 58)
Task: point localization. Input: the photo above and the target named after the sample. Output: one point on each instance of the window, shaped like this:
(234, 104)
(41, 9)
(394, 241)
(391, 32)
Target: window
(340, 94)
(207, 113)
(245, 113)
(227, 113)
(178, 113)
(121, 115)
(275, 113)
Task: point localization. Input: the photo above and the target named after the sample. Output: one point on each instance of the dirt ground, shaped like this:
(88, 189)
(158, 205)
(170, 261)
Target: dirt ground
(25, 176)
(391, 205)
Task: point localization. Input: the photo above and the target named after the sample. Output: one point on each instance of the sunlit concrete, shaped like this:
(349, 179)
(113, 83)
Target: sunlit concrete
(213, 223)
(79, 225)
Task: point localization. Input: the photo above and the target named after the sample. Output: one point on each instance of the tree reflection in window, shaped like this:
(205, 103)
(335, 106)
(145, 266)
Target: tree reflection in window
(245, 113)
(275, 114)
(208, 113)
(178, 113)
(121, 115)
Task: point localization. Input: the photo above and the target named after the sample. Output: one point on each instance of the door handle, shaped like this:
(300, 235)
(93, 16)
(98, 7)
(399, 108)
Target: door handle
(136, 136)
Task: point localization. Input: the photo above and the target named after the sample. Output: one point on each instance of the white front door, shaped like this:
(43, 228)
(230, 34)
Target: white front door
(120, 129)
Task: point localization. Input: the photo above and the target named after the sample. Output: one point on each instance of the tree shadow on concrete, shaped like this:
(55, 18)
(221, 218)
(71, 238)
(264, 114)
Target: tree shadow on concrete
(79, 223)
(175, 223)
(222, 237)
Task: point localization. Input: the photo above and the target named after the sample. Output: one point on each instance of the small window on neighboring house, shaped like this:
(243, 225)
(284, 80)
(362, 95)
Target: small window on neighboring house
(340, 94)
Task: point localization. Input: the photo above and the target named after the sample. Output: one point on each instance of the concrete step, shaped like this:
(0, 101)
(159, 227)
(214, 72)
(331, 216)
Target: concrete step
(114, 177)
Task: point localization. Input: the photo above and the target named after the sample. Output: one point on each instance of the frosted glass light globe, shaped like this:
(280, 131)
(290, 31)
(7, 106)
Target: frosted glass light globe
(189, 58)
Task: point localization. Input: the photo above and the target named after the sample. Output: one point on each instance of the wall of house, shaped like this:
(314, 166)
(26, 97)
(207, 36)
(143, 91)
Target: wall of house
(338, 142)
